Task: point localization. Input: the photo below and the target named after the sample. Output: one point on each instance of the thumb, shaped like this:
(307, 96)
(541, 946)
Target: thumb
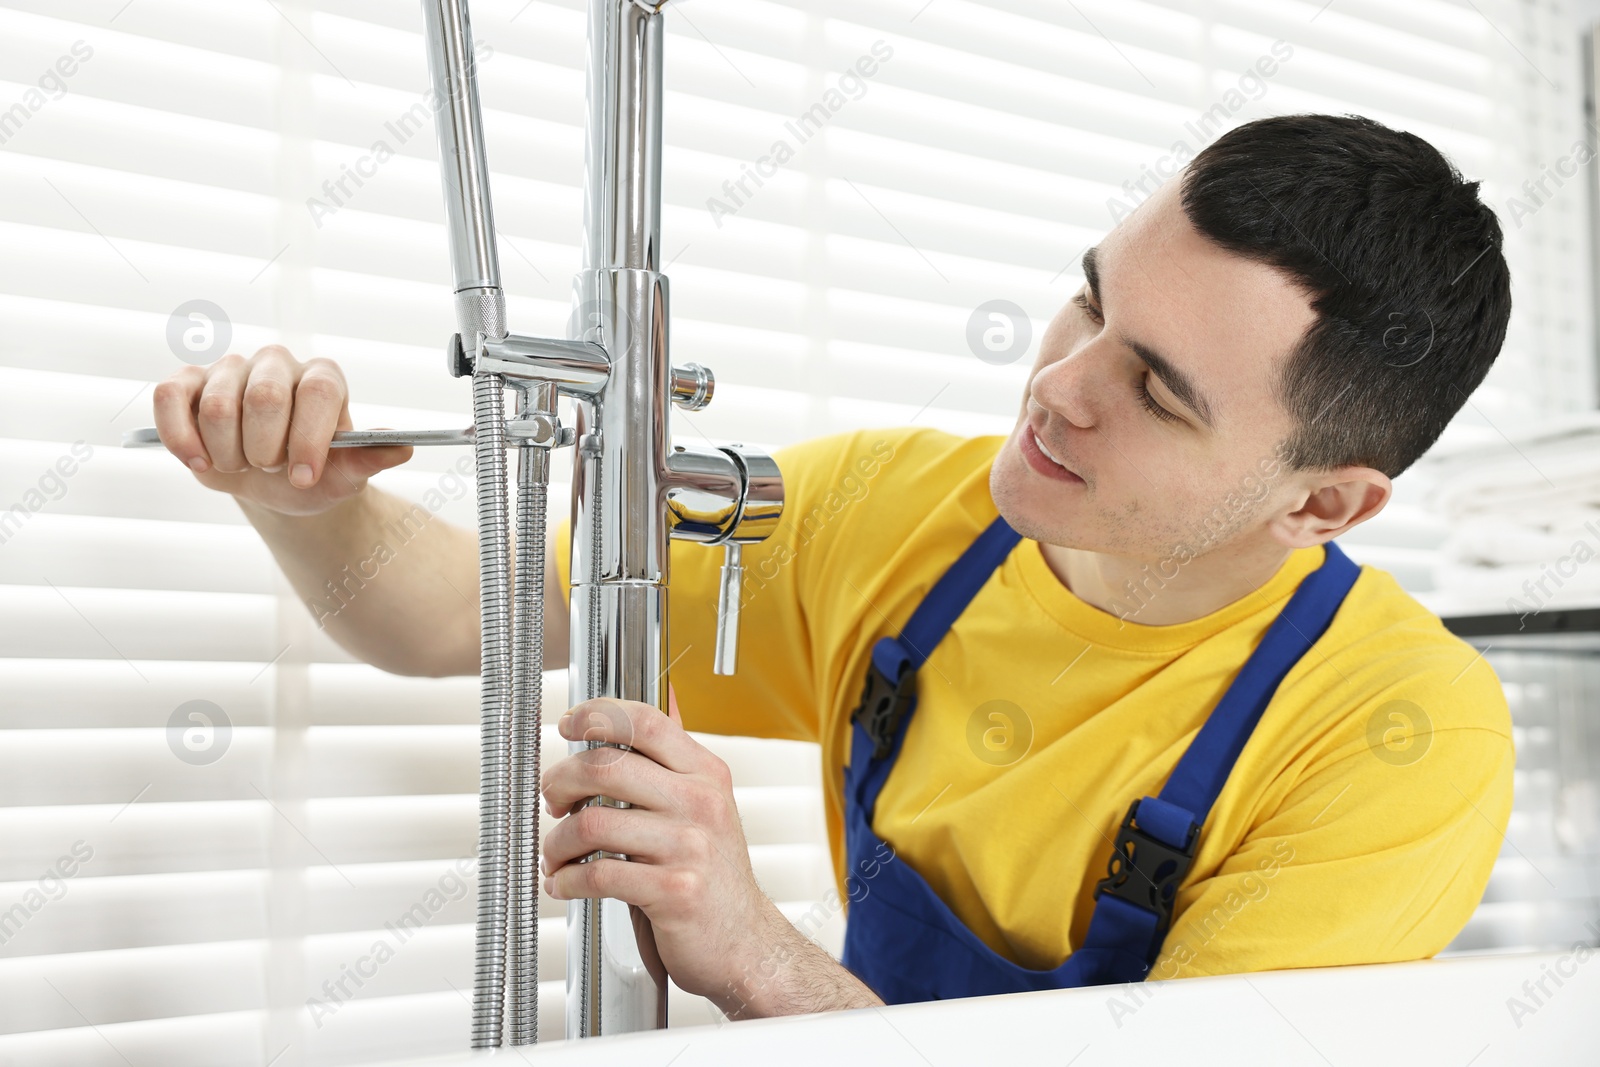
(672, 706)
(368, 460)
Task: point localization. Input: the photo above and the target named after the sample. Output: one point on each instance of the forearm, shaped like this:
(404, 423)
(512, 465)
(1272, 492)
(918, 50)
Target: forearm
(793, 976)
(392, 583)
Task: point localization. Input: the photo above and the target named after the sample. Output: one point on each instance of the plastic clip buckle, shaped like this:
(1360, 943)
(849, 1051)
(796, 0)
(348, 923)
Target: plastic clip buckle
(883, 704)
(1145, 871)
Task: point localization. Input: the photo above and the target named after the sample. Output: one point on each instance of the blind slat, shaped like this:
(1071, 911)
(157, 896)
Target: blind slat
(197, 154)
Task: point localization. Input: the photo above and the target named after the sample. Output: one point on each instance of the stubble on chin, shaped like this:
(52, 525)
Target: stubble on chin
(1006, 478)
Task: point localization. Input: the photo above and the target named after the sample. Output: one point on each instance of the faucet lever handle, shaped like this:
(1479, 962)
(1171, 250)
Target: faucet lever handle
(727, 652)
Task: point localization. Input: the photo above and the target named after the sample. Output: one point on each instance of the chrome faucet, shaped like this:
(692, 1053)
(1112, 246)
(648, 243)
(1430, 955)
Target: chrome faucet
(631, 492)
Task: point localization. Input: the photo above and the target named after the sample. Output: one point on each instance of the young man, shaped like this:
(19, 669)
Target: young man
(1256, 352)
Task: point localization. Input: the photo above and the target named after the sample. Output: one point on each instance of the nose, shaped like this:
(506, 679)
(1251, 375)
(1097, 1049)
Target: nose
(1067, 386)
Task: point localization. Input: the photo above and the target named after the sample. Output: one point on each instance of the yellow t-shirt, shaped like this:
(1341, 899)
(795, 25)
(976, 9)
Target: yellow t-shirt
(1359, 824)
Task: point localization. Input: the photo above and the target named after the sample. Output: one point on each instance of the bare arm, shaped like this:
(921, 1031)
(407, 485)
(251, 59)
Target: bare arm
(392, 583)
(395, 585)
(796, 976)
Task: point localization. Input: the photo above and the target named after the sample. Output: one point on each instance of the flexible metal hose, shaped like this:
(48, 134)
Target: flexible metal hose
(489, 421)
(527, 678)
(588, 990)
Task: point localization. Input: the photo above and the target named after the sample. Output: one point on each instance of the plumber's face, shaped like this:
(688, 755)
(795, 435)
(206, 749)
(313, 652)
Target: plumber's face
(1195, 463)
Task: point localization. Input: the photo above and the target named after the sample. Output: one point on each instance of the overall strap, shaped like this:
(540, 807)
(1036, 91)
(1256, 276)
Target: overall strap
(891, 677)
(1158, 837)
(1193, 786)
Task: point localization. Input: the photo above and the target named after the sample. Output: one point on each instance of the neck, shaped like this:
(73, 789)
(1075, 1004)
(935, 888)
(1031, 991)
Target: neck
(1157, 596)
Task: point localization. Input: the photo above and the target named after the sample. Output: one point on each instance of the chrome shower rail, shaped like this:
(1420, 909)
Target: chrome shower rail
(632, 491)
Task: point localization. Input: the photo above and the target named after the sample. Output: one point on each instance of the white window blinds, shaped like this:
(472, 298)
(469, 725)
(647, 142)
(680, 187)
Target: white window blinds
(846, 183)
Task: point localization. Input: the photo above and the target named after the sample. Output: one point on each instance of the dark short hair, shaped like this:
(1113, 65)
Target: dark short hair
(1401, 263)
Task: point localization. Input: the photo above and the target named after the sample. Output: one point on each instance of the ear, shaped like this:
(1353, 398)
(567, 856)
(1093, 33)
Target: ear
(1335, 501)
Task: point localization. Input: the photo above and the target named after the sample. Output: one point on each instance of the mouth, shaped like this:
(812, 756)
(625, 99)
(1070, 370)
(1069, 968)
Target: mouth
(1038, 456)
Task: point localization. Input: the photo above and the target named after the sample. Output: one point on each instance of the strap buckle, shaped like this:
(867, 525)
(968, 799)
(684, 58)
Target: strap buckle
(1146, 872)
(884, 704)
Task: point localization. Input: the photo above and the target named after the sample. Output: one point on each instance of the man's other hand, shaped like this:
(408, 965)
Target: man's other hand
(689, 866)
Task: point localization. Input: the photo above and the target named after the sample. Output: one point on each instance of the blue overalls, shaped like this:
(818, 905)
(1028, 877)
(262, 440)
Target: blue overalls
(905, 943)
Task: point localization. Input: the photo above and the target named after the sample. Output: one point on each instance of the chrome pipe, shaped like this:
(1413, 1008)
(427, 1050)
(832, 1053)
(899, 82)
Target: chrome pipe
(579, 367)
(618, 631)
(622, 155)
(527, 705)
(620, 532)
(474, 259)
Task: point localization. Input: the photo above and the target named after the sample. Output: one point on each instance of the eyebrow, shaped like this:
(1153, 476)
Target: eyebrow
(1176, 381)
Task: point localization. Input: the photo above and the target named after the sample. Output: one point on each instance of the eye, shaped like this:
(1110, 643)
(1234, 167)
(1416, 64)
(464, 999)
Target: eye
(1150, 404)
(1082, 300)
